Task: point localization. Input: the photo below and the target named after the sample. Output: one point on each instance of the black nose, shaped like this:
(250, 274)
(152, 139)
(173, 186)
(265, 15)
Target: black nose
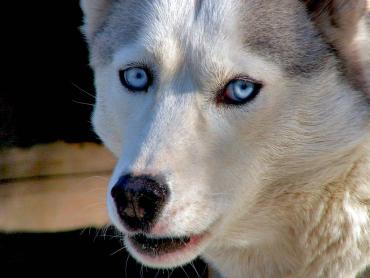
(139, 200)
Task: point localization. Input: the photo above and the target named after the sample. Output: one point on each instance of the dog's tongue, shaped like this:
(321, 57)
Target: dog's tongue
(160, 246)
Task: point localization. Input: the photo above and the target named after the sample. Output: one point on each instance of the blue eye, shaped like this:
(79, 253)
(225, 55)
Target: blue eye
(136, 79)
(239, 91)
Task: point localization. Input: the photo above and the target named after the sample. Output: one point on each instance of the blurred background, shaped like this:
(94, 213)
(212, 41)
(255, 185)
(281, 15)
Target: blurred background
(53, 169)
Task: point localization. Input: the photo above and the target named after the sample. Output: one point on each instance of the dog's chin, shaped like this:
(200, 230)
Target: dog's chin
(165, 252)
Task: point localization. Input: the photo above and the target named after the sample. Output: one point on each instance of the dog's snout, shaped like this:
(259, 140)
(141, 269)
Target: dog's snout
(139, 200)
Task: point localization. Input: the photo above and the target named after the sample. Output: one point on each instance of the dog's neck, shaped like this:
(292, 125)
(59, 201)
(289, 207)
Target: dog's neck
(330, 222)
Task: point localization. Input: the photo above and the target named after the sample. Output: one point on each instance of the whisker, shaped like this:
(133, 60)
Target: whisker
(185, 272)
(83, 231)
(103, 231)
(195, 269)
(84, 91)
(83, 103)
(170, 273)
(142, 271)
(128, 257)
(157, 273)
(119, 250)
(109, 236)
(204, 271)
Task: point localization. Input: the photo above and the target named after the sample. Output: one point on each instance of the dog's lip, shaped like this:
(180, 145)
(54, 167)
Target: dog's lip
(164, 246)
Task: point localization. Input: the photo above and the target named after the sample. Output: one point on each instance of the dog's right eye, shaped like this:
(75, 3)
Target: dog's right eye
(136, 79)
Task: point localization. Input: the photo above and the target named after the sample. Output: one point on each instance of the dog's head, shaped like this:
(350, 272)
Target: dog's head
(216, 109)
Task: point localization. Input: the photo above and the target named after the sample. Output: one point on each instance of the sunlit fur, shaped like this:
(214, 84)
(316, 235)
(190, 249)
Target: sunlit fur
(282, 184)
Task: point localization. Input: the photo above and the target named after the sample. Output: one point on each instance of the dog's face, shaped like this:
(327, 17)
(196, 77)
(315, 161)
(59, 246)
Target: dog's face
(211, 107)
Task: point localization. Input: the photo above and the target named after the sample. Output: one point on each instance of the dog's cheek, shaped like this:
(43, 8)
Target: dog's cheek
(103, 125)
(105, 118)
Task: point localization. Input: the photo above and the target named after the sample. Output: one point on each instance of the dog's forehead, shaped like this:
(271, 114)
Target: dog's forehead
(197, 28)
(156, 20)
(189, 20)
(279, 30)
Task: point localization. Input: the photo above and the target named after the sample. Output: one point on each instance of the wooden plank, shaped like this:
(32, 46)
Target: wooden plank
(54, 204)
(54, 159)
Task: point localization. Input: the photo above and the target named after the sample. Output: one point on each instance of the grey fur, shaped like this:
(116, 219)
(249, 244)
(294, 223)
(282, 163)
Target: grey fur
(284, 36)
(282, 31)
(121, 26)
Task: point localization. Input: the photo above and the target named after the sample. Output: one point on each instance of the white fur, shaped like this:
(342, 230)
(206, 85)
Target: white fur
(281, 184)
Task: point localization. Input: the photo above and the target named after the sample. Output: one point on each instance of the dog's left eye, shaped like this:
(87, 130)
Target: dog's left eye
(239, 91)
(136, 79)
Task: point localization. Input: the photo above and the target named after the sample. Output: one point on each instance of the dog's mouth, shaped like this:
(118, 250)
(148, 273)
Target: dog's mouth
(157, 247)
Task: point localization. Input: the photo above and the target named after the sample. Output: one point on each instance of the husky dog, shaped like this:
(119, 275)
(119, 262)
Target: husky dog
(242, 129)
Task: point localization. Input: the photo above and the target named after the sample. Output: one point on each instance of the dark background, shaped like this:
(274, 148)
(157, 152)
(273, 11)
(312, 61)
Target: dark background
(46, 71)
(45, 75)
(86, 253)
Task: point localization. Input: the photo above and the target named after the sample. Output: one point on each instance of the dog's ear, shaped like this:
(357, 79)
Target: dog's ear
(338, 20)
(94, 14)
(343, 25)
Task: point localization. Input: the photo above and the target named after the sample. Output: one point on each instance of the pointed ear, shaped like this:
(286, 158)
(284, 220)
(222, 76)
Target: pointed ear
(94, 14)
(338, 20)
(343, 25)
